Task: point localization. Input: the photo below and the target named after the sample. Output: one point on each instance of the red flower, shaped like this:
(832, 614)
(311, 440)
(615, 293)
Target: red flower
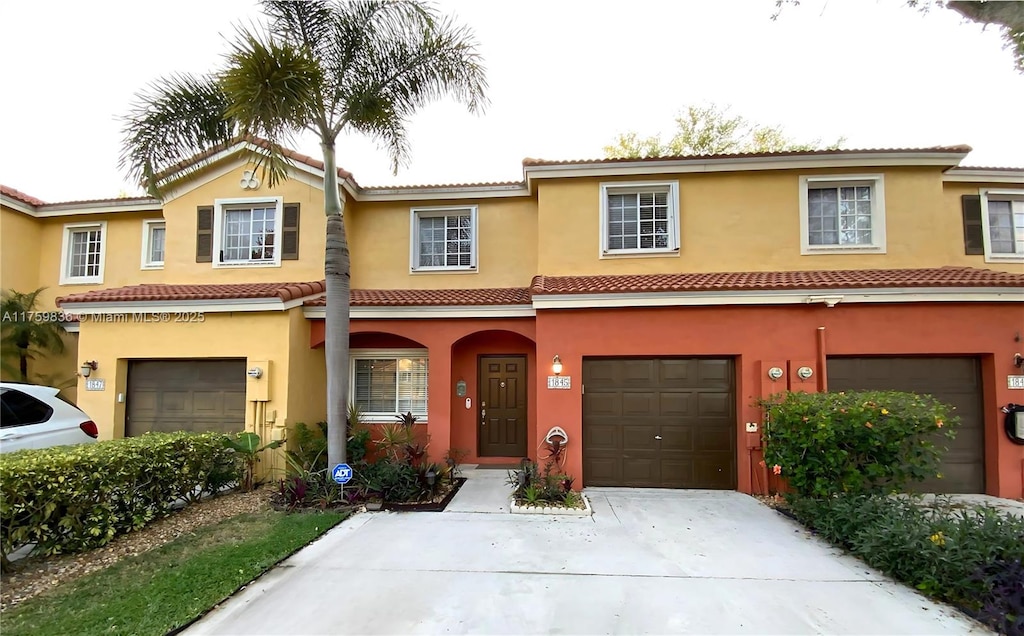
(777, 469)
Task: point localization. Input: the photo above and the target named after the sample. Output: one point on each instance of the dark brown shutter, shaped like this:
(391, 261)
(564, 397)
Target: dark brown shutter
(290, 232)
(974, 238)
(204, 234)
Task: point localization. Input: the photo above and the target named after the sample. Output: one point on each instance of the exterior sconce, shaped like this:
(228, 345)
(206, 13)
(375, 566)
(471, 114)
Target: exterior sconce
(804, 372)
(775, 373)
(556, 365)
(255, 372)
(87, 368)
(1018, 361)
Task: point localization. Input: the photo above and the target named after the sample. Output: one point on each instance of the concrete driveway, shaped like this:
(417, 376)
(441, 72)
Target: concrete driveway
(660, 562)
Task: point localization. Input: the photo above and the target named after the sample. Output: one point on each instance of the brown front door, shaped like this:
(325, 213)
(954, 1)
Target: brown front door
(659, 422)
(501, 407)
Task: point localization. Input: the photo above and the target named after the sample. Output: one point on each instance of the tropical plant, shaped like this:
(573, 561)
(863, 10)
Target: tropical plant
(394, 439)
(854, 441)
(27, 333)
(549, 487)
(247, 444)
(324, 66)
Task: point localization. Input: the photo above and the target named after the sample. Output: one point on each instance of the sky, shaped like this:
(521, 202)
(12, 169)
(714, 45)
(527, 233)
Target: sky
(565, 76)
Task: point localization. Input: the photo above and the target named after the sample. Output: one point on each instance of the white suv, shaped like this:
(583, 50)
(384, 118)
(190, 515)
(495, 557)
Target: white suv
(37, 417)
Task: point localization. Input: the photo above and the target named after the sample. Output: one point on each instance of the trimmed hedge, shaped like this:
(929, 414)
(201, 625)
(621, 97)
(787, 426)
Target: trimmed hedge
(74, 498)
(970, 556)
(855, 441)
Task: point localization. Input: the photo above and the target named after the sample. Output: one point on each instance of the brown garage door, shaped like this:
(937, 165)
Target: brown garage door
(185, 395)
(955, 381)
(659, 422)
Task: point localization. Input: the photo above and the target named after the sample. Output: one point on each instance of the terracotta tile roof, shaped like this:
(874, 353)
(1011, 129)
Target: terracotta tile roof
(291, 154)
(749, 281)
(439, 186)
(20, 196)
(955, 150)
(433, 297)
(108, 200)
(161, 292)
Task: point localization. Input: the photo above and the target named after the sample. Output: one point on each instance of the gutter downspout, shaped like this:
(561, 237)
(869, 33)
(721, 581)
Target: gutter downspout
(822, 368)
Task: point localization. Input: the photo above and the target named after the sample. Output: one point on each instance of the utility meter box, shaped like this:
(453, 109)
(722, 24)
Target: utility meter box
(257, 380)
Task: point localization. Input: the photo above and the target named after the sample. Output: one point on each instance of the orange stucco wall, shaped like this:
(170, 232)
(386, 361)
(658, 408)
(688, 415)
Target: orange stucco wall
(787, 336)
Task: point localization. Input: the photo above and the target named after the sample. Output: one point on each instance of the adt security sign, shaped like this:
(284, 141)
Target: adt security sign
(342, 473)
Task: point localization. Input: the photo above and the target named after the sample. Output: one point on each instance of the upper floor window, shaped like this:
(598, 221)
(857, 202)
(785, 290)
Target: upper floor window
(1002, 217)
(82, 253)
(639, 218)
(154, 235)
(247, 232)
(842, 213)
(444, 239)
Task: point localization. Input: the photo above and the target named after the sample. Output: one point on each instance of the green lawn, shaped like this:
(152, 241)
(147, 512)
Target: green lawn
(167, 587)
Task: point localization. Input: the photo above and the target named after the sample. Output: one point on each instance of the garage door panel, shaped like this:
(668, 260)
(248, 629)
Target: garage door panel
(602, 404)
(953, 380)
(677, 473)
(676, 438)
(688, 402)
(676, 403)
(636, 438)
(714, 405)
(713, 439)
(638, 404)
(603, 437)
(639, 471)
(185, 395)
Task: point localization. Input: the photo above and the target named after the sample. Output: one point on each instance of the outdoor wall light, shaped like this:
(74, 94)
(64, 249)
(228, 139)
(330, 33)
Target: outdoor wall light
(556, 365)
(88, 367)
(1018, 361)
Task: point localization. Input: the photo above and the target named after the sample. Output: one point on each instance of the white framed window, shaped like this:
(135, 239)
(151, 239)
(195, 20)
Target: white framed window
(639, 218)
(246, 232)
(154, 240)
(443, 239)
(386, 383)
(83, 253)
(1002, 221)
(842, 213)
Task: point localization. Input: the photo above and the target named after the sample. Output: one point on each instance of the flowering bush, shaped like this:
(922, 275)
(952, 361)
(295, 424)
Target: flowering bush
(854, 442)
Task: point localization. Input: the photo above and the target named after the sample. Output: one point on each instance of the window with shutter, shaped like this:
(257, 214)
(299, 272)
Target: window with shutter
(246, 232)
(290, 232)
(1002, 220)
(974, 232)
(204, 234)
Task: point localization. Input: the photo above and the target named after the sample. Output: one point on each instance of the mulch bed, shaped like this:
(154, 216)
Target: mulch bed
(438, 505)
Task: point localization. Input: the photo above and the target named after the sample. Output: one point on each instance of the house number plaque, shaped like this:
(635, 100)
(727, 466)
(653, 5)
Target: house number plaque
(559, 382)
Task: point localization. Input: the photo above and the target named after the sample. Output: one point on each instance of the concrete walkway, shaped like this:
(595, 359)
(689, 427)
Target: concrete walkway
(655, 561)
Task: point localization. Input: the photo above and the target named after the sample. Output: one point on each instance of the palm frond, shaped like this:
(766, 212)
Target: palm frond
(175, 119)
(399, 62)
(307, 24)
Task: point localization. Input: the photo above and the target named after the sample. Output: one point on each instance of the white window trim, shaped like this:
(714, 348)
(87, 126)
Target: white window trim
(877, 183)
(219, 206)
(374, 354)
(1000, 195)
(674, 243)
(65, 254)
(147, 236)
(414, 239)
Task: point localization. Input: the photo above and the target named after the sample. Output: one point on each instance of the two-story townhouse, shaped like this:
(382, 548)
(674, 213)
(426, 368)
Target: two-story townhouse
(642, 306)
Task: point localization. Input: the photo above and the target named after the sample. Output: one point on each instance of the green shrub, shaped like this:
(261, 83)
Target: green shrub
(949, 552)
(73, 498)
(534, 486)
(307, 446)
(393, 481)
(855, 442)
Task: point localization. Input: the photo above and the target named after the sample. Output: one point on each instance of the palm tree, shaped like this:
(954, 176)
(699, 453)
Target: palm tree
(27, 331)
(325, 66)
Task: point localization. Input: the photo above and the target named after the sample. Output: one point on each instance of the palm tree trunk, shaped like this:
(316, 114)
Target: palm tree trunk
(23, 363)
(337, 275)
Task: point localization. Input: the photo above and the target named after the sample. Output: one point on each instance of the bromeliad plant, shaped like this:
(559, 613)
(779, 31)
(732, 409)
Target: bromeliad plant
(855, 441)
(247, 444)
(543, 488)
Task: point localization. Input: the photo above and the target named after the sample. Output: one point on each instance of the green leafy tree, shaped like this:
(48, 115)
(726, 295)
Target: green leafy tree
(325, 66)
(25, 335)
(708, 130)
(1006, 15)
